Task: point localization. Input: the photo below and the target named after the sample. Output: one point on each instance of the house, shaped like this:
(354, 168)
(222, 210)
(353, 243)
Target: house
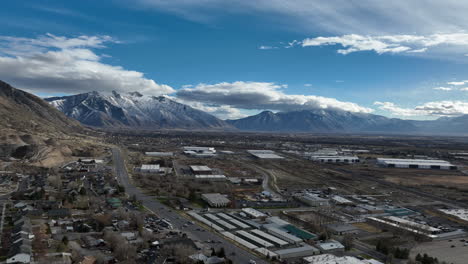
(19, 258)
(59, 213)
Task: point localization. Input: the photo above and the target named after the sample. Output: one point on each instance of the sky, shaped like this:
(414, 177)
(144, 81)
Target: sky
(233, 58)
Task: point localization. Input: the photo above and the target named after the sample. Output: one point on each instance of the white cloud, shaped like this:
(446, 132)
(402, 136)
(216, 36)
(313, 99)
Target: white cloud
(267, 47)
(443, 88)
(262, 95)
(391, 43)
(54, 64)
(437, 108)
(464, 89)
(457, 83)
(308, 85)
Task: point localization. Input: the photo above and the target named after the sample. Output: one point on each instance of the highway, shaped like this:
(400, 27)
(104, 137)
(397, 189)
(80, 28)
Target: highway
(195, 231)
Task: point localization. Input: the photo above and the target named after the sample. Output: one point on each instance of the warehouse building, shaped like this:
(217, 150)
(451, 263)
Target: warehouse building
(416, 164)
(254, 239)
(332, 259)
(211, 177)
(253, 213)
(331, 246)
(312, 199)
(201, 170)
(215, 199)
(283, 234)
(278, 242)
(159, 154)
(335, 159)
(200, 152)
(406, 225)
(151, 168)
(264, 154)
(297, 252)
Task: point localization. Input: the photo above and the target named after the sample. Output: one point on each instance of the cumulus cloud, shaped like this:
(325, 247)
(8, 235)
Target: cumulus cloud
(437, 108)
(390, 43)
(262, 95)
(56, 64)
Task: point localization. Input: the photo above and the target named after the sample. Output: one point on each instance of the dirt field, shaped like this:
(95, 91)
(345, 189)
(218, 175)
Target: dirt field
(455, 181)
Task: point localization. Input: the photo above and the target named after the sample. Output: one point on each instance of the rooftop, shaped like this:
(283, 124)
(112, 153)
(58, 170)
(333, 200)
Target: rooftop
(200, 168)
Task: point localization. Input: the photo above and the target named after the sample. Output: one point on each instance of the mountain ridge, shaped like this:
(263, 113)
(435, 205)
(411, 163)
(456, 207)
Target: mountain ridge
(134, 110)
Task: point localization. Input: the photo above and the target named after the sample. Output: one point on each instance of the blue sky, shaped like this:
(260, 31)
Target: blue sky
(234, 58)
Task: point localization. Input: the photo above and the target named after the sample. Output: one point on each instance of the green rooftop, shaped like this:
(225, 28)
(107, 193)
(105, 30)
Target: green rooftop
(299, 232)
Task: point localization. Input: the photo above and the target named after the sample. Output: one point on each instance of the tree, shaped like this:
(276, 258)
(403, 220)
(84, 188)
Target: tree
(65, 240)
(221, 253)
(348, 242)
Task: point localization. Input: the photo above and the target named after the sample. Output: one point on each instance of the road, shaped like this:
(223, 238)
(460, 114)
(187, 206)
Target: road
(195, 232)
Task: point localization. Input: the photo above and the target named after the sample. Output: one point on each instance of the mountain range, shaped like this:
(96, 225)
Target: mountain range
(21, 111)
(134, 110)
(338, 121)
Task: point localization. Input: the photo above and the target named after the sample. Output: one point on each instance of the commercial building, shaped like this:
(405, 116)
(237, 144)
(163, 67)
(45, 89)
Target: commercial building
(211, 177)
(340, 200)
(331, 246)
(282, 234)
(201, 170)
(151, 168)
(264, 154)
(200, 152)
(300, 233)
(335, 159)
(342, 229)
(460, 213)
(312, 199)
(406, 225)
(332, 259)
(297, 252)
(278, 242)
(254, 239)
(416, 164)
(253, 213)
(215, 199)
(205, 221)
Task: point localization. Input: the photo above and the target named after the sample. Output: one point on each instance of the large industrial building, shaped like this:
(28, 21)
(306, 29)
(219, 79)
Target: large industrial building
(200, 170)
(264, 154)
(200, 152)
(159, 154)
(215, 199)
(297, 252)
(335, 159)
(416, 164)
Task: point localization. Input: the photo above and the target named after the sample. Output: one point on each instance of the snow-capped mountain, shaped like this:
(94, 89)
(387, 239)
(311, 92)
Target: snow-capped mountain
(134, 110)
(321, 121)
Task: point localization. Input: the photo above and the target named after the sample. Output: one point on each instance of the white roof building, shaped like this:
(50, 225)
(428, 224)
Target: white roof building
(264, 154)
(159, 154)
(416, 164)
(151, 168)
(332, 259)
(253, 213)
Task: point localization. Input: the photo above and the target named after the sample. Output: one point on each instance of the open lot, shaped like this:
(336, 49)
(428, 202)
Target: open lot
(451, 251)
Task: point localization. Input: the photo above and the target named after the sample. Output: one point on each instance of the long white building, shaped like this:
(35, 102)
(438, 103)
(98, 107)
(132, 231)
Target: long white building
(416, 164)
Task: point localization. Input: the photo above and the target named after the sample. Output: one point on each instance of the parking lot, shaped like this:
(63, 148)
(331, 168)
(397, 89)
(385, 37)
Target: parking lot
(451, 251)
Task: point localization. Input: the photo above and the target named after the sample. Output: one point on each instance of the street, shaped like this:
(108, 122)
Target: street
(195, 232)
